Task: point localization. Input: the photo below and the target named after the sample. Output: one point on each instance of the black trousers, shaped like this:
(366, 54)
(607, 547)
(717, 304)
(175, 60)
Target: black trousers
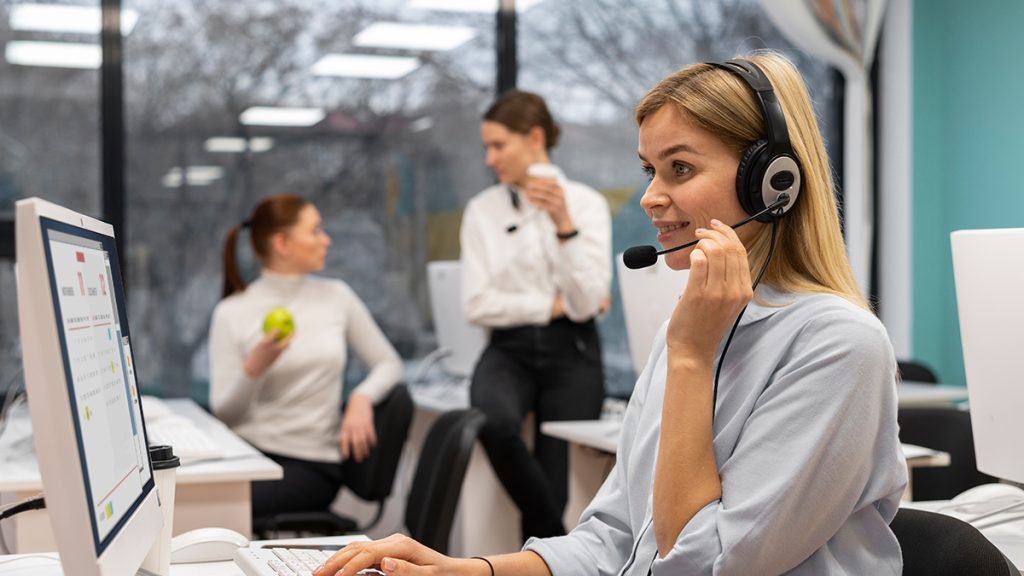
(307, 486)
(555, 372)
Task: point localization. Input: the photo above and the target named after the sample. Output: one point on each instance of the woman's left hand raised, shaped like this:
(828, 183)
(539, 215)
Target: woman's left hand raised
(358, 435)
(718, 288)
(547, 194)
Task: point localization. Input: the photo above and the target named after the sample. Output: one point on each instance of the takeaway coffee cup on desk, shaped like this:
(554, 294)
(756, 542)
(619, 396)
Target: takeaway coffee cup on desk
(165, 465)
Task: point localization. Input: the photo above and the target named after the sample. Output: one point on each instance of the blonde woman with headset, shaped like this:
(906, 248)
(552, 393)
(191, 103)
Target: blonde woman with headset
(793, 465)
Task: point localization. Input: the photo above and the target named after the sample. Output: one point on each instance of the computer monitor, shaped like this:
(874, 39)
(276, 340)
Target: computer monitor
(649, 295)
(988, 269)
(82, 394)
(463, 341)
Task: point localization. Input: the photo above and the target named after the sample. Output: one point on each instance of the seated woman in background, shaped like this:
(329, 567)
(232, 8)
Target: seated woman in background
(284, 394)
(797, 467)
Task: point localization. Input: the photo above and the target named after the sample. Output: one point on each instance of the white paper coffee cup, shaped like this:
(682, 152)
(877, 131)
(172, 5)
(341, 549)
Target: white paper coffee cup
(165, 469)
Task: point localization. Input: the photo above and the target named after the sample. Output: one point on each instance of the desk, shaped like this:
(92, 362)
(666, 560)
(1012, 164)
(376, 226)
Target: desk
(213, 493)
(48, 564)
(923, 395)
(593, 443)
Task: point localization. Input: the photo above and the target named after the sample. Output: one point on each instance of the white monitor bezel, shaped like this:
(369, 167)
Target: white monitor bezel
(124, 549)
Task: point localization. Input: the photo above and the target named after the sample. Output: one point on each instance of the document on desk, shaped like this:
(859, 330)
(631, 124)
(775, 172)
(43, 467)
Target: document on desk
(911, 451)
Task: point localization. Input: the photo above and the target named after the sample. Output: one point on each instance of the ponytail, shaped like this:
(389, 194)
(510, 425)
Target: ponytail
(273, 214)
(233, 281)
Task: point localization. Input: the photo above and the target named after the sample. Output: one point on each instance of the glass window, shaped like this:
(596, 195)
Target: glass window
(49, 107)
(388, 150)
(594, 59)
(49, 126)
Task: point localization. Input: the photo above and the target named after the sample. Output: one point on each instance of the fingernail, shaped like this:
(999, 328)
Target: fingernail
(389, 564)
(701, 230)
(716, 222)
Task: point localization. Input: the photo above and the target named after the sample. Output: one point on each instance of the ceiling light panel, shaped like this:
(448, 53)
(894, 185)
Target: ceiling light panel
(54, 54)
(413, 36)
(365, 66)
(478, 6)
(61, 18)
(277, 116)
(237, 145)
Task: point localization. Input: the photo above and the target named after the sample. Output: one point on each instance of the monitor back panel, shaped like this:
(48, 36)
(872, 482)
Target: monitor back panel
(988, 268)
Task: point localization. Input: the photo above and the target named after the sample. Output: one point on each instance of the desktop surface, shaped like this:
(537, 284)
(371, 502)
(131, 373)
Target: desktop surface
(48, 565)
(208, 492)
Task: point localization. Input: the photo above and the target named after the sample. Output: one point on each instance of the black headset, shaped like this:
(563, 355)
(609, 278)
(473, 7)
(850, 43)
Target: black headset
(768, 168)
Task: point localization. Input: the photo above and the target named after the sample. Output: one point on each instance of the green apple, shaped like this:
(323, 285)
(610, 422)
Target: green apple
(280, 319)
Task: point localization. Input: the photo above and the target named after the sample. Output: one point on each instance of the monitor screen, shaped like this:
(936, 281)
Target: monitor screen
(88, 302)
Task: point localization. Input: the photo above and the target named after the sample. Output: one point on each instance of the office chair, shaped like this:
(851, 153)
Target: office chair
(430, 508)
(914, 371)
(370, 480)
(938, 545)
(947, 429)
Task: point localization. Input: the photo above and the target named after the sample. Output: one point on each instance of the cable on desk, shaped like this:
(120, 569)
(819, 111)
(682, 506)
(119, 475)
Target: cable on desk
(36, 502)
(29, 557)
(13, 397)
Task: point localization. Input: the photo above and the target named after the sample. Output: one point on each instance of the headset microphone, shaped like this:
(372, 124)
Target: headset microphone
(643, 256)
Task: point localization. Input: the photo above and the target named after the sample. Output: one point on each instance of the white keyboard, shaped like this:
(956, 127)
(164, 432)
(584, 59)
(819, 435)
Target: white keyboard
(188, 440)
(283, 561)
(155, 408)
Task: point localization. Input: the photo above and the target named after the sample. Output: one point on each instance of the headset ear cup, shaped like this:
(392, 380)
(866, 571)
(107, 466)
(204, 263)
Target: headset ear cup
(749, 174)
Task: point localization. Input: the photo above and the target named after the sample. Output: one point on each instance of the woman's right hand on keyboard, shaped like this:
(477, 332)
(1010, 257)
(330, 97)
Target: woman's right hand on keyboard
(264, 353)
(397, 554)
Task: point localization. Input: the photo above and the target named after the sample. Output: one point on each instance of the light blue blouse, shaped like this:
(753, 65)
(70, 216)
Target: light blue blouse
(807, 446)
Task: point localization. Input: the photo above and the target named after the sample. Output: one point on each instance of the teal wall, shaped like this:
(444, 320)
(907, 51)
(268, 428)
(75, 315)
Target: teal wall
(968, 152)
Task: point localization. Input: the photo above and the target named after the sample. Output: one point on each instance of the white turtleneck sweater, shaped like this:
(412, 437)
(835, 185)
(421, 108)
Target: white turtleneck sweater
(294, 408)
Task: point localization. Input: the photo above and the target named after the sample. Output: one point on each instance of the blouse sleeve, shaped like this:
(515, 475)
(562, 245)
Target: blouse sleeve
(809, 452)
(373, 347)
(602, 543)
(231, 391)
(584, 273)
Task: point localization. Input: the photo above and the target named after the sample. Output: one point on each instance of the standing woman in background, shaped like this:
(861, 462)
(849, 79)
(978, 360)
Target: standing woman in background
(536, 270)
(284, 395)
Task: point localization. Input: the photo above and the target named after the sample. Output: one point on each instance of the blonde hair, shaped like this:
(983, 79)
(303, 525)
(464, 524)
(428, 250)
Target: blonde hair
(810, 254)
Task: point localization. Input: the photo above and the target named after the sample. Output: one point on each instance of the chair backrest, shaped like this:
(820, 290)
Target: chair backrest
(454, 333)
(648, 297)
(938, 545)
(430, 508)
(947, 429)
(373, 478)
(914, 371)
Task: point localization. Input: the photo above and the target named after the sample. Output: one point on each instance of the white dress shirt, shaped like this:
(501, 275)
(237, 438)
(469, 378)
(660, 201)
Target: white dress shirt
(511, 278)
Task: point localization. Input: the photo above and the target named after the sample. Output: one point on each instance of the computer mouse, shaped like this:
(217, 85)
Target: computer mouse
(206, 545)
(995, 492)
